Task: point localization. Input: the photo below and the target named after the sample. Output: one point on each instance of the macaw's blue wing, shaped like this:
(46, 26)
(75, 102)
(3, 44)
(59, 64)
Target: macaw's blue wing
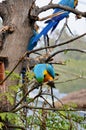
(50, 70)
(53, 22)
(44, 31)
(39, 72)
(32, 44)
(63, 14)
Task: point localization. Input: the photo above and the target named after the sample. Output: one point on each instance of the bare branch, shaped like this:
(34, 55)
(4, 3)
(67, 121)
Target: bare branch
(50, 16)
(61, 31)
(16, 127)
(66, 8)
(64, 50)
(52, 109)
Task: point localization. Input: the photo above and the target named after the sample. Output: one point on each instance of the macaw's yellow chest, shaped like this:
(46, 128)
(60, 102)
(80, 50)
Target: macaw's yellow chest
(47, 77)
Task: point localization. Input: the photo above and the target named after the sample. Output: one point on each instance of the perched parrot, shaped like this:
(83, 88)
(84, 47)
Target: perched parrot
(44, 72)
(53, 22)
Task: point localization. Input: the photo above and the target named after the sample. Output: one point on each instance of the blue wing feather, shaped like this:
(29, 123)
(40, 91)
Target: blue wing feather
(44, 31)
(53, 22)
(31, 45)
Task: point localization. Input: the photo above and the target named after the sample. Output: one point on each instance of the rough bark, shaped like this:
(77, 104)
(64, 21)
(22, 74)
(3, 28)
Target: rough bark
(15, 12)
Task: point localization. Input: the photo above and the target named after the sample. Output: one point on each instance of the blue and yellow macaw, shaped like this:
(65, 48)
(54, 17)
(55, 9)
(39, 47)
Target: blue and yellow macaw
(44, 72)
(53, 22)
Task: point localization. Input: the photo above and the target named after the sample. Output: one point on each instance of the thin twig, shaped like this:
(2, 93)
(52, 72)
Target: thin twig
(51, 16)
(54, 97)
(32, 88)
(46, 101)
(64, 50)
(61, 31)
(69, 80)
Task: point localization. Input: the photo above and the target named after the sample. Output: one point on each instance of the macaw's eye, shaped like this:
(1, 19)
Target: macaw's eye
(44, 75)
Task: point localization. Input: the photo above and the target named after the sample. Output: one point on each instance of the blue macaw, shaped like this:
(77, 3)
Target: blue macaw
(53, 22)
(44, 72)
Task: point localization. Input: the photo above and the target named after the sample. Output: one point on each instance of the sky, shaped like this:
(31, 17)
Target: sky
(77, 26)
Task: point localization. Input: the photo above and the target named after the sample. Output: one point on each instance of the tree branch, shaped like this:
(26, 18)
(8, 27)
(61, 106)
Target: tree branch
(32, 88)
(34, 12)
(50, 108)
(15, 127)
(64, 50)
(66, 8)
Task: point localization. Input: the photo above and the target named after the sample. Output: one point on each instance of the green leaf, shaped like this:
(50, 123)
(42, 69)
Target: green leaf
(3, 116)
(1, 125)
(30, 75)
(10, 98)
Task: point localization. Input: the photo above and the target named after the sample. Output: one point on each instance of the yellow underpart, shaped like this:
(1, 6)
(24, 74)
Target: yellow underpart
(47, 77)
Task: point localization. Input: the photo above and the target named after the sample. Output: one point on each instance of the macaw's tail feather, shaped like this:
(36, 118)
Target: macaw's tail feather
(44, 31)
(54, 27)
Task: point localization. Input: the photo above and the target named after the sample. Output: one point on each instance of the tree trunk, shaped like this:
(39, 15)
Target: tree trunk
(15, 13)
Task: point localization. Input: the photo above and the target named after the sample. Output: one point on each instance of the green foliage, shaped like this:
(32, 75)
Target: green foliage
(61, 120)
(1, 125)
(13, 118)
(13, 76)
(30, 75)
